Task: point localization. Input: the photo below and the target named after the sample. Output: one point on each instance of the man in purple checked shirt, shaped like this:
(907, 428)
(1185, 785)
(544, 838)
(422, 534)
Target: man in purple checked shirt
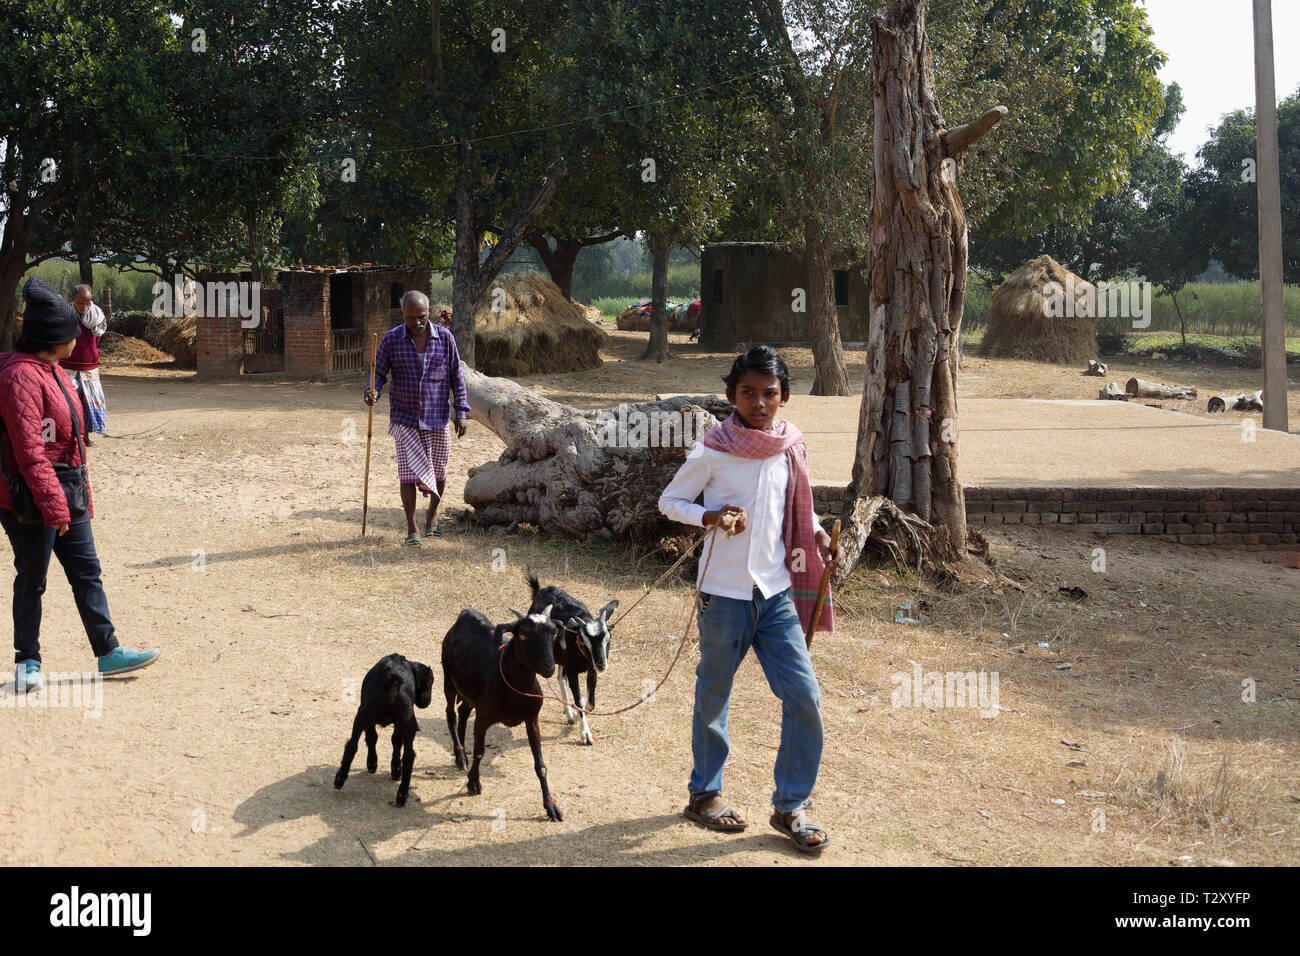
(426, 374)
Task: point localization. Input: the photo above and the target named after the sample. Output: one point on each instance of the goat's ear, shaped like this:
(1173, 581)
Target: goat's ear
(573, 623)
(608, 610)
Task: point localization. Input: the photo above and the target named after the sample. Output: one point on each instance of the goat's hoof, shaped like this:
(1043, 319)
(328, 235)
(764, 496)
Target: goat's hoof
(588, 740)
(338, 780)
(395, 772)
(571, 716)
(553, 812)
(475, 788)
(372, 765)
(401, 799)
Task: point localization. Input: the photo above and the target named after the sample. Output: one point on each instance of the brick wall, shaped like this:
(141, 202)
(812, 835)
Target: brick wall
(380, 316)
(1245, 517)
(219, 340)
(306, 323)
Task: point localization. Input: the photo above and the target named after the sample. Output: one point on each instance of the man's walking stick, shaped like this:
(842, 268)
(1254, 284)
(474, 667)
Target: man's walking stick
(370, 425)
(824, 586)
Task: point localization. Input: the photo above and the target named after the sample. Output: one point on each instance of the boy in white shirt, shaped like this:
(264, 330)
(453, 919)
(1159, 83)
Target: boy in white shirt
(759, 590)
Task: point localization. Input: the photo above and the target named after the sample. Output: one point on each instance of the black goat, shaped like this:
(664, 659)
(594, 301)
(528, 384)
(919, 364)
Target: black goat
(581, 646)
(390, 692)
(492, 679)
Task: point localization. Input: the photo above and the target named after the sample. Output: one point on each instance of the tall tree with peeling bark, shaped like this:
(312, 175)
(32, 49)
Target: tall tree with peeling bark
(907, 428)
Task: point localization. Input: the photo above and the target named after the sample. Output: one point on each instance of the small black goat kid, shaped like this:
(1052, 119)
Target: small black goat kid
(581, 646)
(390, 692)
(491, 679)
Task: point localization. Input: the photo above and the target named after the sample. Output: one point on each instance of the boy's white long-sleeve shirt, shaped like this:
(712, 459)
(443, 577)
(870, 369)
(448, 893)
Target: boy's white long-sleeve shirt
(756, 556)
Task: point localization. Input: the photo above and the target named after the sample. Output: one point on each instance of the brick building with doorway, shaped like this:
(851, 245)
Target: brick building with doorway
(315, 324)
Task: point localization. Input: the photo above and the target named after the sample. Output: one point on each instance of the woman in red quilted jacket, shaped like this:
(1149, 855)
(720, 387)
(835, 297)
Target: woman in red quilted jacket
(42, 425)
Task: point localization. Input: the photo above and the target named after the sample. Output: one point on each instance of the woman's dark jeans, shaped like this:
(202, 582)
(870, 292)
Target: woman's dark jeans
(75, 549)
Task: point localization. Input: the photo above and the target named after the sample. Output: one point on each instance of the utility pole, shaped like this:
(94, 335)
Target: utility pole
(1272, 318)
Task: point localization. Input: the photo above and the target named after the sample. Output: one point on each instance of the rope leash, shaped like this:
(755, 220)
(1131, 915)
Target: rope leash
(690, 619)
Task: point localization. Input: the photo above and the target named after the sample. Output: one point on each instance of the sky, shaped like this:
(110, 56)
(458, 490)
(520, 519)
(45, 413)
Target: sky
(1210, 45)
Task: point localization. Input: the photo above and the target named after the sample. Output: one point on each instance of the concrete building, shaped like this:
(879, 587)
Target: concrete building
(747, 294)
(316, 323)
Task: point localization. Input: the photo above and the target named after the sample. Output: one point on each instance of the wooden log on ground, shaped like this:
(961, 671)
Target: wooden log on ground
(1244, 402)
(1144, 389)
(1112, 392)
(1095, 368)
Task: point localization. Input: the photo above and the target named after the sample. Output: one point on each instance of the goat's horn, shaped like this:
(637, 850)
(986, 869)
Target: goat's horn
(517, 613)
(546, 611)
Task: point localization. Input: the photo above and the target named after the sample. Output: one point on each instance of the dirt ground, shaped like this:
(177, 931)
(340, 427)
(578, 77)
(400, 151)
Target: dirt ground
(227, 521)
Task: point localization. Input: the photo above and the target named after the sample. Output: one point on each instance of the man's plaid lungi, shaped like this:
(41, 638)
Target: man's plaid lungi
(421, 455)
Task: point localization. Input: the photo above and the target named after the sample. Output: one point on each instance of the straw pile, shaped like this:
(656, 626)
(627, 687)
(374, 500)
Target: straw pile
(129, 351)
(1020, 323)
(537, 330)
(590, 312)
(179, 338)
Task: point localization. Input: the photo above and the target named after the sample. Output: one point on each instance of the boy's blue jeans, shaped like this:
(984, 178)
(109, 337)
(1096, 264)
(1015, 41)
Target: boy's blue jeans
(728, 628)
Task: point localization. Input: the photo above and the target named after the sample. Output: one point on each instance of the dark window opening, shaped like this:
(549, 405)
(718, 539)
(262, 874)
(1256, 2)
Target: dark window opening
(841, 287)
(395, 296)
(717, 285)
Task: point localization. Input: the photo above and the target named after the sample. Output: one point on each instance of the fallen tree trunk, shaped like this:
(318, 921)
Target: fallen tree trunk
(1237, 403)
(1112, 392)
(1095, 368)
(1144, 389)
(581, 473)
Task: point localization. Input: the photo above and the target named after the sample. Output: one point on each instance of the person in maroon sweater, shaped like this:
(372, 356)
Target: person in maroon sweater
(41, 426)
(83, 363)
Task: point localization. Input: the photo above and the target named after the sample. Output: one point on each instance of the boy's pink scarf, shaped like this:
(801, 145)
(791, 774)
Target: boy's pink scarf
(799, 535)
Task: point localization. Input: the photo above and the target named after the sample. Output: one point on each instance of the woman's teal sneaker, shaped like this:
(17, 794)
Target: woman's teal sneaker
(122, 659)
(29, 676)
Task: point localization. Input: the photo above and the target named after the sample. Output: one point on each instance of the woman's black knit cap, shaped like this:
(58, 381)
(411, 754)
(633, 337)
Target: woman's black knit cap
(48, 318)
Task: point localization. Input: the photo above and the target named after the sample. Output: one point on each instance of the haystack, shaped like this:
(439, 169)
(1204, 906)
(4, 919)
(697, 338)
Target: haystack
(537, 329)
(635, 318)
(1033, 319)
(179, 339)
(591, 313)
(125, 349)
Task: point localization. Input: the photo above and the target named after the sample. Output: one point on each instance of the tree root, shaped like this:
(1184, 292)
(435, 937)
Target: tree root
(875, 525)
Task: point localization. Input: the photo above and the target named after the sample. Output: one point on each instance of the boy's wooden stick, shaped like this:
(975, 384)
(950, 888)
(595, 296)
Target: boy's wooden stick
(824, 586)
(370, 425)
